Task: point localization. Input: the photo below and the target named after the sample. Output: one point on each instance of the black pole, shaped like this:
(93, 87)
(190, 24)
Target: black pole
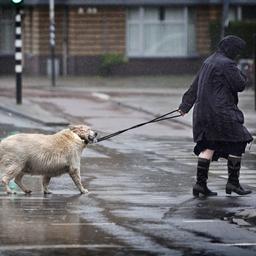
(254, 53)
(53, 66)
(18, 56)
(52, 40)
(18, 88)
(224, 21)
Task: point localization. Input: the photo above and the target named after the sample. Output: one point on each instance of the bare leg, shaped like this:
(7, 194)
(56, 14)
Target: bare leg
(18, 181)
(207, 154)
(46, 181)
(75, 175)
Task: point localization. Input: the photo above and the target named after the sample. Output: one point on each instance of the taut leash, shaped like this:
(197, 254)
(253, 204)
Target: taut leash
(157, 119)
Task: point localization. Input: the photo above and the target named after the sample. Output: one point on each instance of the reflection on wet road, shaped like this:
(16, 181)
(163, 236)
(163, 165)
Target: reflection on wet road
(139, 203)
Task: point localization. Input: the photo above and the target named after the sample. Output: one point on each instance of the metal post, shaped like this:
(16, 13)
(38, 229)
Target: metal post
(52, 40)
(254, 57)
(65, 42)
(18, 56)
(224, 22)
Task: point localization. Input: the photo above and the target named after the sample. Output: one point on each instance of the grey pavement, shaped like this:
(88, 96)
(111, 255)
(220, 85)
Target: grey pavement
(134, 92)
(92, 83)
(31, 111)
(139, 183)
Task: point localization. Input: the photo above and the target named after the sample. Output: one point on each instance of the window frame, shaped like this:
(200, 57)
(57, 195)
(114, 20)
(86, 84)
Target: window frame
(8, 21)
(141, 22)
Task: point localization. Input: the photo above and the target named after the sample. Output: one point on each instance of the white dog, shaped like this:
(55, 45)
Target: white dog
(46, 155)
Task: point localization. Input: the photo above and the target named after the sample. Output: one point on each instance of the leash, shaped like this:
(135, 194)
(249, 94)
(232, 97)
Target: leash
(157, 119)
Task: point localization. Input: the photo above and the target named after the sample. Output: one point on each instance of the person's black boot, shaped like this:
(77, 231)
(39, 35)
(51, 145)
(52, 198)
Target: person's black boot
(202, 175)
(233, 185)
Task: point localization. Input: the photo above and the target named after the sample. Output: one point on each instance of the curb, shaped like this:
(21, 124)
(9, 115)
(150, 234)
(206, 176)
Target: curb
(37, 120)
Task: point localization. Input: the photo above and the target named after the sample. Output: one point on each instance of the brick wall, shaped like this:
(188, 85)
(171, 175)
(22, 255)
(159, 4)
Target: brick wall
(205, 14)
(36, 38)
(95, 34)
(36, 30)
(90, 35)
(86, 35)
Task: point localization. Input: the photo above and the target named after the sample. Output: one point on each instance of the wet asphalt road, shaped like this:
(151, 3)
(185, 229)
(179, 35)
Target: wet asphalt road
(139, 201)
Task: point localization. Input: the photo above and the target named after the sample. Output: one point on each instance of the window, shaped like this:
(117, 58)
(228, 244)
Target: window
(161, 32)
(242, 13)
(249, 13)
(232, 14)
(7, 34)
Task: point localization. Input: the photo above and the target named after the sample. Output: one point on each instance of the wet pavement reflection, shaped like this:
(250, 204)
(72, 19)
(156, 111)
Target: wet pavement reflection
(139, 203)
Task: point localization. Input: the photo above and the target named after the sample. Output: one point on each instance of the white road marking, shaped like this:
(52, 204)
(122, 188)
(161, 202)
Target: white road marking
(82, 224)
(247, 176)
(200, 221)
(242, 172)
(240, 244)
(101, 96)
(247, 181)
(57, 246)
(15, 197)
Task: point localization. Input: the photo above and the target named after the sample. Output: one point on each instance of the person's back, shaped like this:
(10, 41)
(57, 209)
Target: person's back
(212, 75)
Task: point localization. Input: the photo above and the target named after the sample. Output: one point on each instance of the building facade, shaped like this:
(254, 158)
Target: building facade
(155, 37)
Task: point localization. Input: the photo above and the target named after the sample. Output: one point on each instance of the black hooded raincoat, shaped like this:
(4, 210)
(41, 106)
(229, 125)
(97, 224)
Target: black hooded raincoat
(214, 94)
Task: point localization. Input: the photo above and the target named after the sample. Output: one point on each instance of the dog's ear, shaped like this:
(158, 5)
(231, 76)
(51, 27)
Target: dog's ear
(79, 130)
(75, 128)
(72, 127)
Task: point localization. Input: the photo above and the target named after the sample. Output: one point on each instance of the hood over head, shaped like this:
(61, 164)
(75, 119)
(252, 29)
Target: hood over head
(231, 46)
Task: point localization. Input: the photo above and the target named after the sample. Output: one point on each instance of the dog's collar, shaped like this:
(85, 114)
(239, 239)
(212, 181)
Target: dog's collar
(85, 141)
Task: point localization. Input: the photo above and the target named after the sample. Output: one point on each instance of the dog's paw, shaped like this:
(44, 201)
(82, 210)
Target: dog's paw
(47, 192)
(84, 191)
(28, 192)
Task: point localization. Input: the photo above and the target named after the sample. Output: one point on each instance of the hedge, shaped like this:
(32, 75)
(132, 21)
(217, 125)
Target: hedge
(243, 29)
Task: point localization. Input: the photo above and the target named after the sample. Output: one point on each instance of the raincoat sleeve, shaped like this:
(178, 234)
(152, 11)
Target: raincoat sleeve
(189, 96)
(235, 78)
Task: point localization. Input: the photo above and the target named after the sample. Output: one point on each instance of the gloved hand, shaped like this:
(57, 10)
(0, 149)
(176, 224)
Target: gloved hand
(181, 112)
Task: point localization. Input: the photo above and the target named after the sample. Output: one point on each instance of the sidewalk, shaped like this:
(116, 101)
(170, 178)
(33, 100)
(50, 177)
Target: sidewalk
(31, 111)
(92, 83)
(133, 92)
(79, 87)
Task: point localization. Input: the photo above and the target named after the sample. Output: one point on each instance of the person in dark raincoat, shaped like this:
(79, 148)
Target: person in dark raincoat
(218, 128)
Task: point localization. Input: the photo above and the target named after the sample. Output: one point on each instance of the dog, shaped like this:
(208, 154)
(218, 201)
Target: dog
(46, 155)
